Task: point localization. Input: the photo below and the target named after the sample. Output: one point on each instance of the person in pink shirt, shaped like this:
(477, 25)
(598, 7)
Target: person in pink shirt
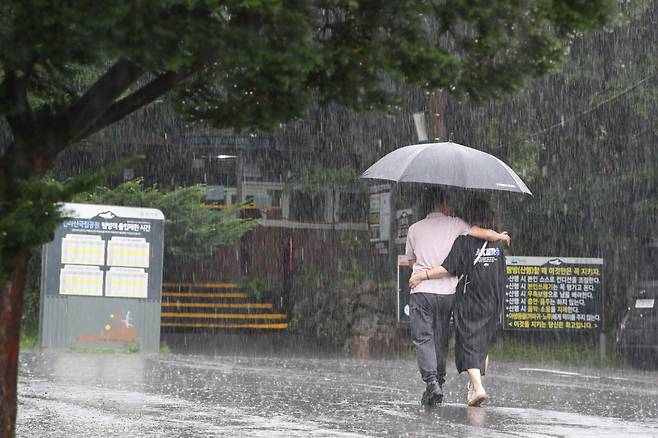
(428, 243)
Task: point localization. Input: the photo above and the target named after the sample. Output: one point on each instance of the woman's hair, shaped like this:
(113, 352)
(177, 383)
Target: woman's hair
(478, 212)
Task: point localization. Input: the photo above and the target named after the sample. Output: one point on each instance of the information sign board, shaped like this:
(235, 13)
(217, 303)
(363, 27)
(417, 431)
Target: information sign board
(379, 217)
(549, 293)
(101, 278)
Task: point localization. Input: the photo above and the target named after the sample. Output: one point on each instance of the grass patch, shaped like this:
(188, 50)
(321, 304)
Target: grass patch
(94, 350)
(130, 347)
(563, 349)
(28, 340)
(164, 349)
(538, 350)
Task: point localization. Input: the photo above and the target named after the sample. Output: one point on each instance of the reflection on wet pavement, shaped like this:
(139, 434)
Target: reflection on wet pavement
(195, 396)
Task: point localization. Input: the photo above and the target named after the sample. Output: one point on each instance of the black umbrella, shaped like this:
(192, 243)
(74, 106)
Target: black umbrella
(449, 164)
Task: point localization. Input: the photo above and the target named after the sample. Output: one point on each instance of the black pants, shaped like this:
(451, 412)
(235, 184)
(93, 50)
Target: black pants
(430, 321)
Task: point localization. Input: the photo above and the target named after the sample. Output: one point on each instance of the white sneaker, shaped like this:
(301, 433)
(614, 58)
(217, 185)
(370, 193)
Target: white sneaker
(475, 398)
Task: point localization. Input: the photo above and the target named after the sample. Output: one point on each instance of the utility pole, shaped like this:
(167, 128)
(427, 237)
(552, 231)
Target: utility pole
(245, 240)
(436, 107)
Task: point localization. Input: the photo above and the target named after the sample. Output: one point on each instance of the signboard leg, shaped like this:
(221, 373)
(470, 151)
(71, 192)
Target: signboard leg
(602, 346)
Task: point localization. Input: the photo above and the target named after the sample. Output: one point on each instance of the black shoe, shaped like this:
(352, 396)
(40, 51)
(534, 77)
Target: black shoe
(433, 394)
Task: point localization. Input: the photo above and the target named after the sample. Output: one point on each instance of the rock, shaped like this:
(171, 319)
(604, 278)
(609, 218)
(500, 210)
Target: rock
(357, 347)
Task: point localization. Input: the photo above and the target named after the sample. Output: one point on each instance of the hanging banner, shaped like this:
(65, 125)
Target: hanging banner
(549, 293)
(404, 219)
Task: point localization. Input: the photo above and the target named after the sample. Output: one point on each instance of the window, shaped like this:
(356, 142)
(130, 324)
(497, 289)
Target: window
(304, 207)
(353, 207)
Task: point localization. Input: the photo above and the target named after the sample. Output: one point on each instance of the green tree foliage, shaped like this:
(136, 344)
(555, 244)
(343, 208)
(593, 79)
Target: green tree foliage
(192, 231)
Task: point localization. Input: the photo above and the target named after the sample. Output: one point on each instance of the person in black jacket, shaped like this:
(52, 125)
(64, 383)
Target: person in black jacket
(481, 267)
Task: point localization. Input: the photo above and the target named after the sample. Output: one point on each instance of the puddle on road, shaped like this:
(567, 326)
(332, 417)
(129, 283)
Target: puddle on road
(546, 423)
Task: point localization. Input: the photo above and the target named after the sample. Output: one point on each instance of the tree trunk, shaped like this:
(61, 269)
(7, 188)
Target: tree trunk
(11, 303)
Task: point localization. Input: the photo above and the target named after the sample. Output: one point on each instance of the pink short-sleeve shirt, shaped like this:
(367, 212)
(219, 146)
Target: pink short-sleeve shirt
(429, 242)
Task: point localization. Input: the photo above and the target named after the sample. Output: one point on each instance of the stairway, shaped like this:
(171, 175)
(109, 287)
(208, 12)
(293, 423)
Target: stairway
(204, 307)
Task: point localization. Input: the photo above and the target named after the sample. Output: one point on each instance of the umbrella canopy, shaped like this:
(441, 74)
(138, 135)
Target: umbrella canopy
(449, 164)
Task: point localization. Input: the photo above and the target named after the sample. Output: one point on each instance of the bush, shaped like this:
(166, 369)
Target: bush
(192, 231)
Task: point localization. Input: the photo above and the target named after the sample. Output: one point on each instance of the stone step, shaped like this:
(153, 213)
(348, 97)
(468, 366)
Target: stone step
(215, 305)
(206, 315)
(231, 326)
(197, 305)
(190, 294)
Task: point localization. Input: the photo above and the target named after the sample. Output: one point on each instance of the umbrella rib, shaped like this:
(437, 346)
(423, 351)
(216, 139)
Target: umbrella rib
(407, 165)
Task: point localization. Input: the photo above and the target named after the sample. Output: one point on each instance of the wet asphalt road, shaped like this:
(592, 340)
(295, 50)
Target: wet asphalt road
(87, 395)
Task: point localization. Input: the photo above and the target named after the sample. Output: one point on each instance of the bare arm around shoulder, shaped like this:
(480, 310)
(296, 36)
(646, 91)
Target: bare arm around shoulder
(490, 235)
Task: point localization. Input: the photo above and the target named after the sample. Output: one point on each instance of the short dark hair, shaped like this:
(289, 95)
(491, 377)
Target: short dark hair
(478, 212)
(431, 197)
